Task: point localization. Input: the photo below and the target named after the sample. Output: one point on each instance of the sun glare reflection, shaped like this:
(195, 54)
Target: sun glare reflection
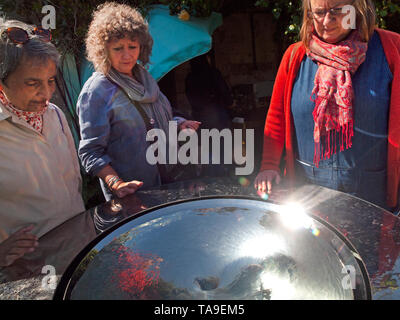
(262, 195)
(263, 246)
(244, 181)
(293, 216)
(280, 288)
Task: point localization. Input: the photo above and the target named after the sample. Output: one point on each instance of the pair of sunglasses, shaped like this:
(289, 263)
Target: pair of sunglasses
(20, 36)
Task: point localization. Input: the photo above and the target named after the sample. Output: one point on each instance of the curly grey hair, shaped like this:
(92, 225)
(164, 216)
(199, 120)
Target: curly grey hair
(116, 21)
(11, 54)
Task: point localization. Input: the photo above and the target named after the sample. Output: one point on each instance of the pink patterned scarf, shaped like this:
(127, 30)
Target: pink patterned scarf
(34, 119)
(333, 91)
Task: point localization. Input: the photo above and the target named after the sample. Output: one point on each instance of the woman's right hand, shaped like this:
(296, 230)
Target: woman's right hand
(264, 180)
(116, 185)
(122, 189)
(16, 245)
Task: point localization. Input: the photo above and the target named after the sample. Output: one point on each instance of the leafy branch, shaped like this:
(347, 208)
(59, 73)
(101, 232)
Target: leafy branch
(72, 18)
(288, 15)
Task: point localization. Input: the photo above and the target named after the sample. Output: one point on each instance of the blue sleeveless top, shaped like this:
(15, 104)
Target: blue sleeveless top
(360, 170)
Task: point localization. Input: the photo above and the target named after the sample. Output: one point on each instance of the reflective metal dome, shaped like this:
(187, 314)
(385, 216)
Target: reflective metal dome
(218, 248)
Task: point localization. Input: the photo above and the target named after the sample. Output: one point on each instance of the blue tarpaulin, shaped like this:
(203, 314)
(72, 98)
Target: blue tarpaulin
(175, 42)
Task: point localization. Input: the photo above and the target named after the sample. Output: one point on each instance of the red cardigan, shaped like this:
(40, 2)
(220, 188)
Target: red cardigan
(278, 131)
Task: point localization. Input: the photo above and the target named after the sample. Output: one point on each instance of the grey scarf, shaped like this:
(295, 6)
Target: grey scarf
(144, 89)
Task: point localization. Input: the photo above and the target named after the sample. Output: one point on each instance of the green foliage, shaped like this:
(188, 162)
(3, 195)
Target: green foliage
(197, 8)
(72, 18)
(289, 16)
(388, 14)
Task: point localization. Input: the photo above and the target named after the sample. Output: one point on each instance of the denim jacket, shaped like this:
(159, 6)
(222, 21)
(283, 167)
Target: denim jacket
(113, 133)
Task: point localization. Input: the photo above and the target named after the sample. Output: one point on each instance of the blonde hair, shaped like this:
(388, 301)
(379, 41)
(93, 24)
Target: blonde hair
(365, 21)
(115, 21)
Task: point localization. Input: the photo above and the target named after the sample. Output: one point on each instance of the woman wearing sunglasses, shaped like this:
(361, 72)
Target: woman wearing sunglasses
(121, 102)
(335, 106)
(39, 170)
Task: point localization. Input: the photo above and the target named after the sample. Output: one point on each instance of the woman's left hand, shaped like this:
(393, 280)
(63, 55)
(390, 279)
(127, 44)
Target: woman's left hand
(190, 124)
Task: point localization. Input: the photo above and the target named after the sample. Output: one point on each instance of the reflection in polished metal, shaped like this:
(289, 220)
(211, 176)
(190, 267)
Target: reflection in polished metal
(293, 216)
(262, 246)
(216, 248)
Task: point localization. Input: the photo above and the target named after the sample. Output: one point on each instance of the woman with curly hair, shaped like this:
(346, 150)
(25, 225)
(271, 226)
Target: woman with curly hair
(335, 106)
(120, 102)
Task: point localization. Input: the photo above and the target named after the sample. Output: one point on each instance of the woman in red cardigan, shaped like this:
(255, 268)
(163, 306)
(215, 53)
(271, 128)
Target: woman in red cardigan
(334, 117)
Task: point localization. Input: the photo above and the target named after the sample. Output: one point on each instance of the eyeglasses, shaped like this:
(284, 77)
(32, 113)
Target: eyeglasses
(20, 36)
(320, 14)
